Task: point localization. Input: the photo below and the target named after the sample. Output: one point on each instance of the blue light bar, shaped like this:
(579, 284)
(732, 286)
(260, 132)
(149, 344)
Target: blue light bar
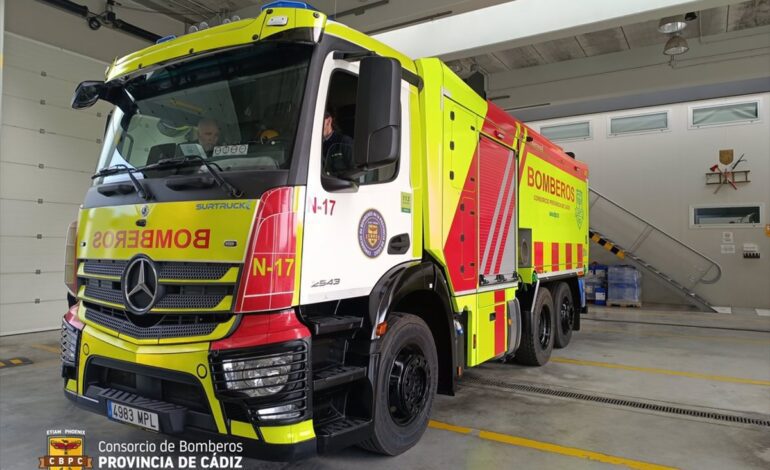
(288, 4)
(166, 38)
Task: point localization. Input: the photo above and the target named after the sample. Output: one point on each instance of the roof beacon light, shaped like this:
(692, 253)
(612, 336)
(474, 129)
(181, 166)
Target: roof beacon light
(170, 37)
(288, 4)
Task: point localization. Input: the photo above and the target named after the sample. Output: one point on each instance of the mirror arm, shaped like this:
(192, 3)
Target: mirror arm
(408, 76)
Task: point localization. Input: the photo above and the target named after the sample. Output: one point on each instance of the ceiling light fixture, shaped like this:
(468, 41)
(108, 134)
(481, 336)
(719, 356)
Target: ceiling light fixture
(672, 24)
(676, 45)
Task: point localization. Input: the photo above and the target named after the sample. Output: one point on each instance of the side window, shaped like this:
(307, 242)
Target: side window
(339, 128)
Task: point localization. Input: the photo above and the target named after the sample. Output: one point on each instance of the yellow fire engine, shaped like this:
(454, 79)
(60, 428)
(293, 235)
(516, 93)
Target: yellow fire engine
(297, 236)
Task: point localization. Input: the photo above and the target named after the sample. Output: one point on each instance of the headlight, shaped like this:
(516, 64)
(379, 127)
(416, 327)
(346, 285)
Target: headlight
(257, 377)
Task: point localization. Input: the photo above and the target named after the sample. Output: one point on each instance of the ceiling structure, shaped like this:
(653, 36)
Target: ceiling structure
(714, 21)
(561, 64)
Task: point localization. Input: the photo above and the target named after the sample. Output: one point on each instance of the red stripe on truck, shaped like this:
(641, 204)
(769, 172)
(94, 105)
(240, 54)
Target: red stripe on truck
(554, 257)
(539, 257)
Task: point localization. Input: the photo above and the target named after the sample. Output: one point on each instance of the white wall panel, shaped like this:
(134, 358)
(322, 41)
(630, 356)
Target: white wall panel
(24, 218)
(46, 286)
(29, 114)
(28, 317)
(47, 154)
(28, 254)
(54, 151)
(32, 183)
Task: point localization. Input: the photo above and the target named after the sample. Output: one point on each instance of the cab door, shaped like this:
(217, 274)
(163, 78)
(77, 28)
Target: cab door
(352, 237)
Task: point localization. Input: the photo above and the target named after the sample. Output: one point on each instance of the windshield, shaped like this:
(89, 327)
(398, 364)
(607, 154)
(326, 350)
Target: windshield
(238, 109)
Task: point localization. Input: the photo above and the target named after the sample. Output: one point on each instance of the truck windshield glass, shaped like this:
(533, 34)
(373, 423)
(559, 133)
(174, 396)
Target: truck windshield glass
(238, 109)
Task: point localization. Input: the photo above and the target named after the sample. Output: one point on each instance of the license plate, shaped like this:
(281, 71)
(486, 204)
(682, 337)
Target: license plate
(131, 415)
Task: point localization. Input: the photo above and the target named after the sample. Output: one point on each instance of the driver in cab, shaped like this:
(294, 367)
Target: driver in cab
(208, 134)
(337, 148)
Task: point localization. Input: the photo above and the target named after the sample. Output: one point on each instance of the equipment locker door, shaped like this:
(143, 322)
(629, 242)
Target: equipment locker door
(347, 234)
(497, 212)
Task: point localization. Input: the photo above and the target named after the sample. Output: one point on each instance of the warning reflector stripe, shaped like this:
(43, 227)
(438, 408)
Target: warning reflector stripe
(554, 256)
(580, 254)
(539, 257)
(568, 256)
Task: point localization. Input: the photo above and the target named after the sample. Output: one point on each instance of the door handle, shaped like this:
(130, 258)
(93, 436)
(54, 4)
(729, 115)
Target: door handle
(399, 244)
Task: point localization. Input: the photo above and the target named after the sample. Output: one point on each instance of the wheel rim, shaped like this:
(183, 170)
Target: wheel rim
(566, 314)
(408, 388)
(544, 327)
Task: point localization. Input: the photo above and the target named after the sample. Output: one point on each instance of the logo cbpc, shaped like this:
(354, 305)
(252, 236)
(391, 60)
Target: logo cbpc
(65, 450)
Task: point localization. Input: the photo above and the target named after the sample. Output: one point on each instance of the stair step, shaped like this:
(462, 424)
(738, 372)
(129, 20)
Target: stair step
(342, 433)
(334, 324)
(337, 375)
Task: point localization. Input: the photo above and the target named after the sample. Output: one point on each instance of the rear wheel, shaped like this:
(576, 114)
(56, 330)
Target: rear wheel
(537, 338)
(565, 315)
(406, 384)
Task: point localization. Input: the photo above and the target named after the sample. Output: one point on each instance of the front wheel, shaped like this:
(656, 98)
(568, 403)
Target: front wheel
(537, 334)
(406, 384)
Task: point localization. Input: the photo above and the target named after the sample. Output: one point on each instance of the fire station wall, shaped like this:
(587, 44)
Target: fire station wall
(47, 154)
(47, 150)
(659, 175)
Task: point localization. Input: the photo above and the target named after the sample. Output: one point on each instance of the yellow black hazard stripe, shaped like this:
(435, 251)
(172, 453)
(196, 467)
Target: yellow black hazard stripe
(13, 362)
(608, 245)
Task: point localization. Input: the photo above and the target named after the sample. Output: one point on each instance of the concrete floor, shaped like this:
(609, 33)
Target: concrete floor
(708, 362)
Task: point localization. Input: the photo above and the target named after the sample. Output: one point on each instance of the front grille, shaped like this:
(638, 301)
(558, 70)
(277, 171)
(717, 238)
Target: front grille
(154, 325)
(295, 393)
(105, 294)
(105, 267)
(166, 269)
(193, 296)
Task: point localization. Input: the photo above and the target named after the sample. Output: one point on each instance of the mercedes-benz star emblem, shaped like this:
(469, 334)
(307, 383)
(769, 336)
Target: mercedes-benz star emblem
(140, 285)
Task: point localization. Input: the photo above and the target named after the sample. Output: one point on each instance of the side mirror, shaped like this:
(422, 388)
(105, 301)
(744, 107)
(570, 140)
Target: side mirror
(377, 139)
(87, 94)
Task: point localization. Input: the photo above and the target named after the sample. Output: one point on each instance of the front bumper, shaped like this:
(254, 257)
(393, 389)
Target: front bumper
(193, 411)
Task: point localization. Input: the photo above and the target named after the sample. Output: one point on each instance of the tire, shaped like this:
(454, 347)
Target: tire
(564, 308)
(537, 338)
(407, 378)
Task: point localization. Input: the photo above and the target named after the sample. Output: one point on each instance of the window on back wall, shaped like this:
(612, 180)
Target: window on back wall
(638, 123)
(731, 113)
(748, 215)
(568, 131)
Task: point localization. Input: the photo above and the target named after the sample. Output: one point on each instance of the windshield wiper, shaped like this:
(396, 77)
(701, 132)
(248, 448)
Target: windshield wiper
(213, 168)
(119, 169)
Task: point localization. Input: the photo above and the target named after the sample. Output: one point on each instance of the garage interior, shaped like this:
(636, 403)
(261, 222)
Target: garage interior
(677, 377)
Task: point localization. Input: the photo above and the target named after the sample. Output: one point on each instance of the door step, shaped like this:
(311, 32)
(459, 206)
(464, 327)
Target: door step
(342, 433)
(337, 375)
(333, 324)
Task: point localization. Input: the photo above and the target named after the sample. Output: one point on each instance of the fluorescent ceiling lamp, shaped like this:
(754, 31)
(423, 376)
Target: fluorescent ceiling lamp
(676, 45)
(672, 24)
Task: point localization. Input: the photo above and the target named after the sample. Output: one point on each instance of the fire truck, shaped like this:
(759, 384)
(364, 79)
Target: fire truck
(296, 236)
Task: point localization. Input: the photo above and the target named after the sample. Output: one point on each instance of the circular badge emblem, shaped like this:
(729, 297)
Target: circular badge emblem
(140, 285)
(372, 233)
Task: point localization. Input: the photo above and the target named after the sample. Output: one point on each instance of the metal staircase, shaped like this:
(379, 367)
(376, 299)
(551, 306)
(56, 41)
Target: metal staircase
(683, 268)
